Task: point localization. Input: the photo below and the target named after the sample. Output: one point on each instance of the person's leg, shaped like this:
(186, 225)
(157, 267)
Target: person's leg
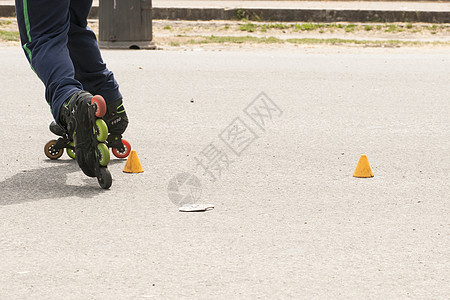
(90, 69)
(43, 26)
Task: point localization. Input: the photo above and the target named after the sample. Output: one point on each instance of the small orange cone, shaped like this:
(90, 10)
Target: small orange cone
(133, 165)
(363, 169)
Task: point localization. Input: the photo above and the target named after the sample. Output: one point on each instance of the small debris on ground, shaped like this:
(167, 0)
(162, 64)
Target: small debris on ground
(196, 207)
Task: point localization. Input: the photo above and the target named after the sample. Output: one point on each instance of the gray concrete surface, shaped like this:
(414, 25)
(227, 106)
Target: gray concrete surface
(314, 11)
(290, 220)
(366, 5)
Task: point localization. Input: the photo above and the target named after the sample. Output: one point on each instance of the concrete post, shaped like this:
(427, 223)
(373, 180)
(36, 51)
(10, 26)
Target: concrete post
(125, 24)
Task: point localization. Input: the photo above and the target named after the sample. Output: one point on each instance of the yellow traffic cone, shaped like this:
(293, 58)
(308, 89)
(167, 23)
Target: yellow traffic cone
(133, 165)
(363, 169)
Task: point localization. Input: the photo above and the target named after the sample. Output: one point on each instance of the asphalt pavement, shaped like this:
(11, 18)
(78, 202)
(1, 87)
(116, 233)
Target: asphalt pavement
(289, 220)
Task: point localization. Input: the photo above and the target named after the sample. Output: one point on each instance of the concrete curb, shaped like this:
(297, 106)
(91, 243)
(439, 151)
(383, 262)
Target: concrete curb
(300, 15)
(281, 15)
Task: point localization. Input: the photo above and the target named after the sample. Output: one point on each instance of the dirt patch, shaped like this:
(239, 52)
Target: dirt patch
(176, 35)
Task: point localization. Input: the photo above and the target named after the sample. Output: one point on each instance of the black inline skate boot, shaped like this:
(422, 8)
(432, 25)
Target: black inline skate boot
(117, 121)
(81, 116)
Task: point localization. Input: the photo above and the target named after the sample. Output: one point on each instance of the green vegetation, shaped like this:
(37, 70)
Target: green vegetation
(9, 36)
(235, 40)
(433, 29)
(349, 28)
(273, 40)
(249, 27)
(305, 27)
(240, 14)
(5, 22)
(254, 26)
(393, 28)
(276, 26)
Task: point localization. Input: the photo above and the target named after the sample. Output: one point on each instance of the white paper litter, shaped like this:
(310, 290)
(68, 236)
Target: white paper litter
(196, 207)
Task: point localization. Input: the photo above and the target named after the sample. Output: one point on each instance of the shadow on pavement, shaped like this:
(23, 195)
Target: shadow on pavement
(46, 183)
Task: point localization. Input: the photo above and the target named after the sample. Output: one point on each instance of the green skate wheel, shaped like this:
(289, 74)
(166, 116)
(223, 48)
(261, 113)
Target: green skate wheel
(101, 130)
(103, 154)
(50, 150)
(105, 179)
(71, 152)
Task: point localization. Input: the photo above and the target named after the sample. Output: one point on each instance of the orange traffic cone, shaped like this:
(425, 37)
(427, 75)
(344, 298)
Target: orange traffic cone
(133, 165)
(363, 169)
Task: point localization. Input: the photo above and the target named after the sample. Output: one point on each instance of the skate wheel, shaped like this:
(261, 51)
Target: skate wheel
(105, 179)
(100, 105)
(101, 130)
(50, 150)
(71, 152)
(122, 154)
(103, 154)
